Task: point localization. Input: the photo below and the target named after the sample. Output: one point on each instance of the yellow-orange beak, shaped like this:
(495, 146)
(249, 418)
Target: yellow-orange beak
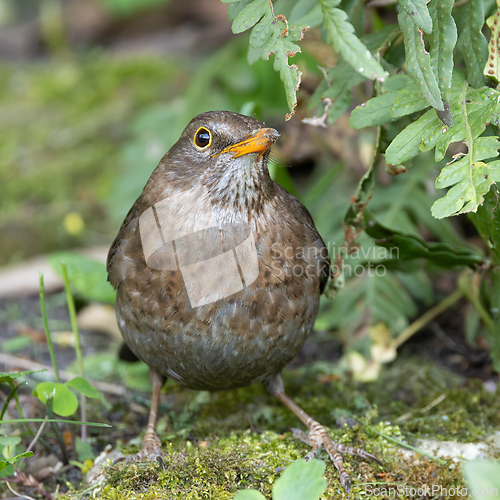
(258, 143)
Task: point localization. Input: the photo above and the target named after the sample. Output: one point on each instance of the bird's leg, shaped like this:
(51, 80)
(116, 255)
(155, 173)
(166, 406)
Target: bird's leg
(151, 444)
(317, 436)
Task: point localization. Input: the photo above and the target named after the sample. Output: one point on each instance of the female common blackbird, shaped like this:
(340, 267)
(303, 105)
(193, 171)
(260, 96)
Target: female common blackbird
(218, 271)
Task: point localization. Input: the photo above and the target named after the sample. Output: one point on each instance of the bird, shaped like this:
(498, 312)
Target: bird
(218, 272)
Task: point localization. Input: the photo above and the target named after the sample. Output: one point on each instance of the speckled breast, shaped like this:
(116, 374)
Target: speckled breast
(240, 337)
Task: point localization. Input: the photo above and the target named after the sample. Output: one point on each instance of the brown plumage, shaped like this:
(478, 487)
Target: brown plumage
(231, 339)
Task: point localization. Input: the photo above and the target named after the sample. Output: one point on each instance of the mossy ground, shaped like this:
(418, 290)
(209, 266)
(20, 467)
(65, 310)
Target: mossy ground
(238, 439)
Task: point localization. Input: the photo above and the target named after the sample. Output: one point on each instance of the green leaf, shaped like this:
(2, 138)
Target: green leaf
(418, 61)
(376, 111)
(340, 32)
(466, 196)
(9, 440)
(471, 114)
(249, 495)
(382, 37)
(487, 221)
(410, 247)
(470, 177)
(482, 478)
(484, 147)
(301, 481)
(64, 402)
(83, 386)
(83, 450)
(13, 460)
(261, 34)
(408, 100)
(442, 42)
(388, 300)
(419, 12)
(406, 144)
(283, 47)
(306, 12)
(471, 42)
(375, 293)
(400, 96)
(88, 276)
(235, 7)
(55, 420)
(271, 34)
(8, 376)
(492, 68)
(250, 15)
(344, 77)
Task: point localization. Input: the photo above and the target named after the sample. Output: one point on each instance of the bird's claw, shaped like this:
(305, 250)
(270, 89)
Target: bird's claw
(150, 452)
(318, 437)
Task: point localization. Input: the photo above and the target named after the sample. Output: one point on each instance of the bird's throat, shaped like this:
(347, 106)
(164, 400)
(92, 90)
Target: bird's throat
(242, 186)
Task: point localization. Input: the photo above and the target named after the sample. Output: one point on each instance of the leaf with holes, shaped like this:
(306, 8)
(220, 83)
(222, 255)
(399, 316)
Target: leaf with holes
(271, 34)
(492, 68)
(284, 47)
(471, 113)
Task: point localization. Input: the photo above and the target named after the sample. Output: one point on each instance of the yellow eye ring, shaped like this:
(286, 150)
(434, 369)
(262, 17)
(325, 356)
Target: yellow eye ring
(202, 138)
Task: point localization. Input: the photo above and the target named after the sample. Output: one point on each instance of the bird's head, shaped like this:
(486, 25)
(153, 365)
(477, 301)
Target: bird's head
(227, 153)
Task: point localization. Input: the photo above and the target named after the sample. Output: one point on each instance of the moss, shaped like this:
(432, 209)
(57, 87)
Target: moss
(210, 456)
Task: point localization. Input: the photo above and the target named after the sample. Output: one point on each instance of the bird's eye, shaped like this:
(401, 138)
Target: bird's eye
(202, 138)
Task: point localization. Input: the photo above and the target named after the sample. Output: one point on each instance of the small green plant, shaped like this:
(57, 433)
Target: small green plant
(62, 400)
(57, 397)
(482, 478)
(299, 481)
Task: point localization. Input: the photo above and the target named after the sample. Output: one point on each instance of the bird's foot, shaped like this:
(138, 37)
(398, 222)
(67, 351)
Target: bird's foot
(150, 451)
(317, 437)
